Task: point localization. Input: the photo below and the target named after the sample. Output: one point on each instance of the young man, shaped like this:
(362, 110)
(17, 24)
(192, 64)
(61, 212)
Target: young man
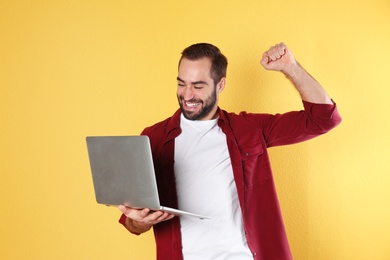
(215, 163)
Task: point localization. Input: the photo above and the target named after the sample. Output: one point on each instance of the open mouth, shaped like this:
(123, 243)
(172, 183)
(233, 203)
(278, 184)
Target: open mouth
(192, 104)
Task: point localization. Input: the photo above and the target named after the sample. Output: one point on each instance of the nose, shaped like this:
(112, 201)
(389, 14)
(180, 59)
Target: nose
(188, 93)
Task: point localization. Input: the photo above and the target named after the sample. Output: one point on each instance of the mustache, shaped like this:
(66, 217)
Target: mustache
(191, 100)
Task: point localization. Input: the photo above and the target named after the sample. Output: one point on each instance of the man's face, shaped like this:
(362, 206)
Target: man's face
(196, 92)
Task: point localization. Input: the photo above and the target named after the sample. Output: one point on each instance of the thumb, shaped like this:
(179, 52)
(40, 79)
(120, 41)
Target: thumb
(122, 208)
(264, 61)
(125, 209)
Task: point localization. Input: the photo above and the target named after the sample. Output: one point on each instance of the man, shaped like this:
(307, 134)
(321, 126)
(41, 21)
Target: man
(215, 163)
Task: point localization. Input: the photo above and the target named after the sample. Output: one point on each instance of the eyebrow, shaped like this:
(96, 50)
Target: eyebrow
(194, 83)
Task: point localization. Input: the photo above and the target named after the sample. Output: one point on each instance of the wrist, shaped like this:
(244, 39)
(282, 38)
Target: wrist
(135, 226)
(293, 71)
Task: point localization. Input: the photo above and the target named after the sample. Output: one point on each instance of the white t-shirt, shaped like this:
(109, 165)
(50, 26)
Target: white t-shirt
(205, 186)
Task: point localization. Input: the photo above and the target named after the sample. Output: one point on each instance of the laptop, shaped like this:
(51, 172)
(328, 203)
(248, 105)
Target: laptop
(123, 173)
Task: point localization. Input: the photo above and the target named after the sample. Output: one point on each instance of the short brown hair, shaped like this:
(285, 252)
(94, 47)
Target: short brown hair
(205, 50)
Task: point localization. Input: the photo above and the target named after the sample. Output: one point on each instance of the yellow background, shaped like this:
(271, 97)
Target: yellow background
(73, 68)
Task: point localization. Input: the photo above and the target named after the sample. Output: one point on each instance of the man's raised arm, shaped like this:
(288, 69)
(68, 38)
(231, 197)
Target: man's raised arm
(280, 58)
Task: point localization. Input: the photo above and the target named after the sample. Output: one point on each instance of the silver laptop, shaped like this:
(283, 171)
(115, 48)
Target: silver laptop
(123, 173)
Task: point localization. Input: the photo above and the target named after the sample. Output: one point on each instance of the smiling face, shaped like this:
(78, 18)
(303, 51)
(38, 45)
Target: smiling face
(196, 91)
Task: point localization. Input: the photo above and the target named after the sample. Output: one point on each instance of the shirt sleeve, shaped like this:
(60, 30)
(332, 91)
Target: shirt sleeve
(299, 126)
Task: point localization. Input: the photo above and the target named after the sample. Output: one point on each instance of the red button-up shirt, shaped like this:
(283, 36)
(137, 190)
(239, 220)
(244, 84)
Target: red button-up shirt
(248, 137)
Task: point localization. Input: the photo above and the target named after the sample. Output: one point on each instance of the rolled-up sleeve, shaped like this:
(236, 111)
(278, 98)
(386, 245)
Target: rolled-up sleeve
(299, 126)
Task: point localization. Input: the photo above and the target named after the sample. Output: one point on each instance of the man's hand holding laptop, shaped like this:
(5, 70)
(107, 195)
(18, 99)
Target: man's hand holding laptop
(141, 220)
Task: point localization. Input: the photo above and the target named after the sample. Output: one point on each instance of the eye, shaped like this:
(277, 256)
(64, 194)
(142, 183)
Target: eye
(198, 86)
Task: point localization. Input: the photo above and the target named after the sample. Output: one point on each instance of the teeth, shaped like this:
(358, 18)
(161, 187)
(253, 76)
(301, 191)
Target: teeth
(192, 104)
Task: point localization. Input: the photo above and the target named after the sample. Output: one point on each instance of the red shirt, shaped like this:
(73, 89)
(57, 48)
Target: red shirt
(248, 137)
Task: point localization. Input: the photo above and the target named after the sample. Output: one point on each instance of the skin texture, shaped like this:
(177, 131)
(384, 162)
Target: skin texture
(198, 97)
(280, 58)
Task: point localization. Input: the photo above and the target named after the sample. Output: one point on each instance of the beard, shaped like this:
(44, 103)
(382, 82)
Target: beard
(206, 106)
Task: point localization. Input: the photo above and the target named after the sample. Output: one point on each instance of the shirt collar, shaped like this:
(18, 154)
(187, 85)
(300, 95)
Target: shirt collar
(174, 122)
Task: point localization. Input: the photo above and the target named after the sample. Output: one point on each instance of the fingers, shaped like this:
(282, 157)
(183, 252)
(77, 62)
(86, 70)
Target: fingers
(145, 216)
(153, 218)
(274, 53)
(141, 214)
(141, 220)
(160, 216)
(134, 214)
(278, 58)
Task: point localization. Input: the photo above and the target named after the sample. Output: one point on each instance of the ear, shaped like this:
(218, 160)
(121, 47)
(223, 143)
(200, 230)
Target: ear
(221, 85)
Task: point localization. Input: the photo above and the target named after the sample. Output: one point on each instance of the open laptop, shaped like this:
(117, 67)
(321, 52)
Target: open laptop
(123, 173)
